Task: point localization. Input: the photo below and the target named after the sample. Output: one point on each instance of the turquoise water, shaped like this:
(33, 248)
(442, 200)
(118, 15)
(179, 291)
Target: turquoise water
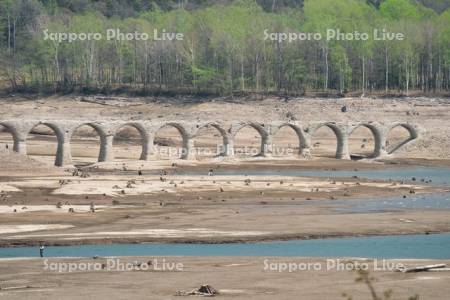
(384, 204)
(438, 176)
(433, 246)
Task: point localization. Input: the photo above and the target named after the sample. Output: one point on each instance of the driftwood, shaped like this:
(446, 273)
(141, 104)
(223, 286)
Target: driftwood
(15, 287)
(204, 290)
(110, 101)
(424, 268)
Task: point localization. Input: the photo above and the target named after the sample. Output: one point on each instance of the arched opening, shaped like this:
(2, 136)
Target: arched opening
(209, 142)
(85, 145)
(247, 142)
(398, 136)
(168, 142)
(128, 143)
(361, 143)
(324, 142)
(286, 142)
(6, 139)
(42, 143)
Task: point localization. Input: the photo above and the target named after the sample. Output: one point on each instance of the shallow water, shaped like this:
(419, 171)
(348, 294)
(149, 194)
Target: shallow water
(423, 175)
(438, 176)
(433, 246)
(395, 203)
(420, 175)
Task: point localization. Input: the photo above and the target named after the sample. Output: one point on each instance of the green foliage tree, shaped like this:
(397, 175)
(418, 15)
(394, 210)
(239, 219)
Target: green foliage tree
(224, 49)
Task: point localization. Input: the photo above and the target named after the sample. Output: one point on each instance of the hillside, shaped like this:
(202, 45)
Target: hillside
(226, 48)
(128, 8)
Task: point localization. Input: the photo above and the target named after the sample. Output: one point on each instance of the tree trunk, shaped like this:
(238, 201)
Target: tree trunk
(326, 68)
(242, 74)
(363, 76)
(387, 69)
(406, 76)
(257, 72)
(9, 33)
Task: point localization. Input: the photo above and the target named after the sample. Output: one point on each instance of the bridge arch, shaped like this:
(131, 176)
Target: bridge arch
(12, 131)
(377, 136)
(339, 134)
(60, 139)
(102, 133)
(413, 134)
(259, 128)
(301, 140)
(143, 133)
(183, 131)
(222, 149)
(100, 129)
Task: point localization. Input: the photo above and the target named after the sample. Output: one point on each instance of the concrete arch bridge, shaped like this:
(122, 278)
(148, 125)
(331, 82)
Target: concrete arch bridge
(64, 129)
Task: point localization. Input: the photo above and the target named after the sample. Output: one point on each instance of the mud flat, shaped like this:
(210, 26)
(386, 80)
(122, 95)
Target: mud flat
(203, 216)
(185, 204)
(235, 277)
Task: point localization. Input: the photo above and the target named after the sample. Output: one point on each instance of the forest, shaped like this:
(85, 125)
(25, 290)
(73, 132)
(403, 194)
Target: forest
(224, 50)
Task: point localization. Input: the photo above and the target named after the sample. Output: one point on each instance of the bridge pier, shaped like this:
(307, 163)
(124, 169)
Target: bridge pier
(227, 147)
(266, 145)
(380, 143)
(63, 153)
(305, 146)
(342, 151)
(20, 146)
(188, 150)
(106, 148)
(148, 150)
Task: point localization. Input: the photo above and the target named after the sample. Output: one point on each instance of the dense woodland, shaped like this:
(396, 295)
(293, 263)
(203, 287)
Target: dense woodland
(223, 51)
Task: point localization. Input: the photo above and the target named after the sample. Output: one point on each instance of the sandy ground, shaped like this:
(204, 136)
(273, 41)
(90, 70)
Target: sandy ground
(234, 277)
(176, 207)
(28, 228)
(217, 186)
(203, 219)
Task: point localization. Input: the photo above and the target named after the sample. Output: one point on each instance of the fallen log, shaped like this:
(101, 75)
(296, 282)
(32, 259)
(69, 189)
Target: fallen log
(440, 270)
(203, 290)
(14, 287)
(423, 268)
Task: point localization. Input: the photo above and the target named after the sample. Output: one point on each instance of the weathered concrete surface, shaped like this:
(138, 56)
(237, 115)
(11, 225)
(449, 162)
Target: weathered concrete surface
(64, 130)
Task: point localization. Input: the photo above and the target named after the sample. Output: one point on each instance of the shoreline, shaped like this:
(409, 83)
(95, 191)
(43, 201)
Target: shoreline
(33, 258)
(196, 241)
(315, 163)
